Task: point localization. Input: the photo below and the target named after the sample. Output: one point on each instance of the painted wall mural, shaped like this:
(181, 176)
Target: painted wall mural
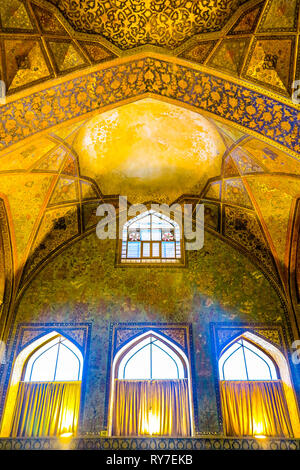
(276, 217)
(90, 159)
(83, 285)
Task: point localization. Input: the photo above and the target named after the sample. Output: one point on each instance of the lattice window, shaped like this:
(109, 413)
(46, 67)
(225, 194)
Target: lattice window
(151, 238)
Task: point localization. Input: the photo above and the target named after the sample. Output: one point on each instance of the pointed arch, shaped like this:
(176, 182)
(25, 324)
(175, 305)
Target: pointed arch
(280, 371)
(144, 342)
(146, 374)
(243, 360)
(61, 358)
(27, 370)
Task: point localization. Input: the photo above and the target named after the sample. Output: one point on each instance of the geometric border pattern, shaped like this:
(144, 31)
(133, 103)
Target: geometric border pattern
(122, 333)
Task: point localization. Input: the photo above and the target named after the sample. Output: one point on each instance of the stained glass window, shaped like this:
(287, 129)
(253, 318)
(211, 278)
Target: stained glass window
(151, 237)
(244, 361)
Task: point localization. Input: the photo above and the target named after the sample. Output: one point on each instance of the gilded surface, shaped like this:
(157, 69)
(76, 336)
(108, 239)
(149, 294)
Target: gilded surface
(146, 158)
(52, 184)
(251, 47)
(77, 97)
(82, 284)
(79, 177)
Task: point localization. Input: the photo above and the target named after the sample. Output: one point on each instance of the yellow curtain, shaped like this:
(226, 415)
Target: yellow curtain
(46, 409)
(255, 408)
(156, 407)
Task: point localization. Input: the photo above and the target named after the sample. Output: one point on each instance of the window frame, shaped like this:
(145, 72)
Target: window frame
(149, 260)
(136, 342)
(185, 352)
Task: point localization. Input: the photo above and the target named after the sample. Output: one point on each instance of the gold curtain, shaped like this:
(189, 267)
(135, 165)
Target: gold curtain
(46, 409)
(255, 408)
(151, 407)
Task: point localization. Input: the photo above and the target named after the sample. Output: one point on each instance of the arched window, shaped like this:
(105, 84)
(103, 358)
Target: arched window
(49, 386)
(58, 360)
(244, 361)
(252, 394)
(151, 237)
(151, 359)
(151, 392)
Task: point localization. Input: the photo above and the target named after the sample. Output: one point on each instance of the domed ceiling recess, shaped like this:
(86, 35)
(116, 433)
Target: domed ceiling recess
(137, 151)
(54, 183)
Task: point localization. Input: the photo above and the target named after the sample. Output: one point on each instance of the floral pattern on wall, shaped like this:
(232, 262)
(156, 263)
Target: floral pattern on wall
(83, 285)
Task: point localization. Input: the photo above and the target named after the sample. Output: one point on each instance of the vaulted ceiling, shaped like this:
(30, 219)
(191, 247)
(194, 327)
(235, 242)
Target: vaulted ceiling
(129, 23)
(254, 40)
(54, 183)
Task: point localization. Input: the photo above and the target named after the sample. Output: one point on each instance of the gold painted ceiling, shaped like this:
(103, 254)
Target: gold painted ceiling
(132, 23)
(54, 183)
(137, 151)
(255, 41)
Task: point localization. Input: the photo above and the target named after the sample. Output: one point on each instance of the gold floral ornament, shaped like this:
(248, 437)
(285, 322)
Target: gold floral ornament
(132, 23)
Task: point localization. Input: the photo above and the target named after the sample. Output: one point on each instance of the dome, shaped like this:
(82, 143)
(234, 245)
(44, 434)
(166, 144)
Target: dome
(137, 151)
